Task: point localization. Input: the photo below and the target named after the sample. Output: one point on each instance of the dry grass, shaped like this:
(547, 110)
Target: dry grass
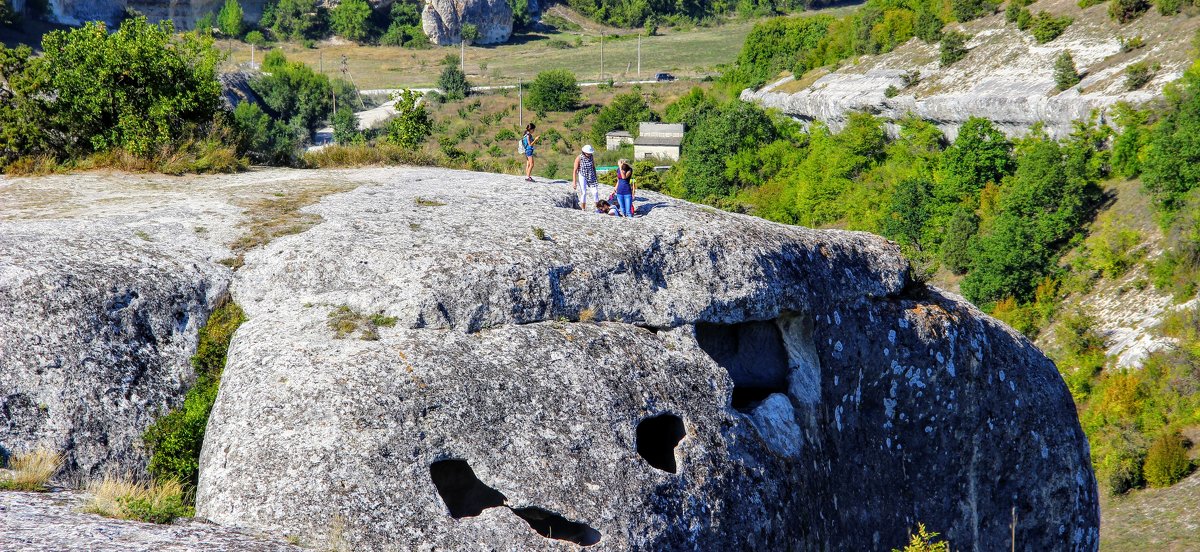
(270, 218)
(587, 315)
(124, 498)
(31, 472)
(366, 155)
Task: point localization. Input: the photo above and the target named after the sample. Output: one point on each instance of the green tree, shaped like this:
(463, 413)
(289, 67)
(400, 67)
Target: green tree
(1065, 73)
(722, 134)
(80, 95)
(264, 139)
(623, 113)
(553, 90)
(229, 20)
(955, 250)
(929, 26)
(293, 92)
(1047, 26)
(906, 214)
(470, 32)
(980, 154)
(1172, 164)
(1125, 11)
(412, 124)
(351, 20)
(453, 83)
(690, 108)
(953, 48)
(966, 10)
(297, 19)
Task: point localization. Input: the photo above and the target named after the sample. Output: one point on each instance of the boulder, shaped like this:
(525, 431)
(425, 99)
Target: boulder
(442, 20)
(97, 326)
(521, 375)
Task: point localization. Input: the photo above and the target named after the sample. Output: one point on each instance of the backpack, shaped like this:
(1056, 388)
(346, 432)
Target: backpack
(521, 146)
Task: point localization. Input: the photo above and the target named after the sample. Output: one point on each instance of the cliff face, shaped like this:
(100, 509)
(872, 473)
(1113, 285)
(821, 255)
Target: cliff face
(687, 380)
(1006, 77)
(442, 20)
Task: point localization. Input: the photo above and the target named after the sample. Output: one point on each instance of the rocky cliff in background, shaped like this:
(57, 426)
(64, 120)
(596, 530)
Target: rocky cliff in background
(442, 20)
(689, 380)
(1006, 77)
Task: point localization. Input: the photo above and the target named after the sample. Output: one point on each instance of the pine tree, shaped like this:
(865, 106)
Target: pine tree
(1065, 74)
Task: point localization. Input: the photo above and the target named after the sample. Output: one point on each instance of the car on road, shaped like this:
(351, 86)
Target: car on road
(664, 77)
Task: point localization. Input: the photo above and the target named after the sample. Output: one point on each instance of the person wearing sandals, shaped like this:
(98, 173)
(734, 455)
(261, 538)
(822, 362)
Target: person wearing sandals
(527, 142)
(584, 177)
(625, 189)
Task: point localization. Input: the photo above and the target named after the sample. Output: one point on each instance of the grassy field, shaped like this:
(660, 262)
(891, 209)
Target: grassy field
(690, 53)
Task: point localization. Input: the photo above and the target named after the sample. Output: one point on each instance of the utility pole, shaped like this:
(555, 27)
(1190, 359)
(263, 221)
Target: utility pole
(520, 104)
(639, 57)
(462, 56)
(321, 61)
(251, 56)
(601, 56)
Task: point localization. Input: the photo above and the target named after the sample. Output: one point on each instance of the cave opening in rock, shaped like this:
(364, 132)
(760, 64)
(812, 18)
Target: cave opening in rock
(464, 494)
(657, 438)
(553, 526)
(753, 353)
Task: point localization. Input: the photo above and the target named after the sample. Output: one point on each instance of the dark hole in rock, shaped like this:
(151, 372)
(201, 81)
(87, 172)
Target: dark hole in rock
(551, 525)
(657, 438)
(754, 355)
(464, 494)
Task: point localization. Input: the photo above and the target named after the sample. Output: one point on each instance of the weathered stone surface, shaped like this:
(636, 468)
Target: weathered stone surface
(442, 20)
(1006, 77)
(52, 522)
(97, 325)
(881, 404)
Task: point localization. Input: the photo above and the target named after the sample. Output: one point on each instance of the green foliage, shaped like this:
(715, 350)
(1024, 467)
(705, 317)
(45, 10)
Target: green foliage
(553, 90)
(623, 113)
(1125, 11)
(1178, 269)
(1167, 461)
(345, 127)
(774, 45)
(256, 38)
(1046, 26)
(162, 511)
(718, 134)
(1168, 7)
(929, 26)
(634, 13)
(956, 248)
(8, 16)
(1131, 43)
(351, 20)
(953, 48)
(908, 211)
(264, 139)
(924, 541)
(80, 96)
(174, 440)
(404, 27)
(453, 83)
(295, 19)
(1172, 163)
(411, 125)
(293, 92)
(470, 32)
(1111, 247)
(1065, 73)
(1128, 145)
(981, 154)
(967, 10)
(229, 20)
(1138, 75)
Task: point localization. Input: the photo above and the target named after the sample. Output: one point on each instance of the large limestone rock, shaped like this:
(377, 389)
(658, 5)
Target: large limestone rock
(184, 13)
(688, 380)
(442, 20)
(1006, 76)
(97, 326)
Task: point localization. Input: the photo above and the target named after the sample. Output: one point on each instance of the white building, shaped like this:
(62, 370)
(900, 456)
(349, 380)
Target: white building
(658, 141)
(617, 138)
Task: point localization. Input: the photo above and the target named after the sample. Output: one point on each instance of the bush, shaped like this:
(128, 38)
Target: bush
(1167, 461)
(1169, 7)
(1110, 247)
(1129, 44)
(554, 90)
(1125, 11)
(54, 109)
(928, 27)
(1047, 27)
(953, 48)
(174, 440)
(967, 10)
(264, 139)
(924, 541)
(345, 127)
(1024, 19)
(301, 20)
(351, 20)
(1138, 75)
(412, 124)
(1065, 73)
(891, 91)
(453, 83)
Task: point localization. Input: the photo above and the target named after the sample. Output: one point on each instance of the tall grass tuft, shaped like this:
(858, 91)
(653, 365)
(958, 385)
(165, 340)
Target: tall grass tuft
(124, 498)
(31, 471)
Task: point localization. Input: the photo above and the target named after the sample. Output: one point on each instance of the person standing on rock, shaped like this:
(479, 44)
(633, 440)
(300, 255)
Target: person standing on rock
(584, 177)
(527, 142)
(625, 189)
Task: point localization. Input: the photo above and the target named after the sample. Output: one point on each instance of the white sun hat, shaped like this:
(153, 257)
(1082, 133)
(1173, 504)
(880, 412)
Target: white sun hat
(588, 149)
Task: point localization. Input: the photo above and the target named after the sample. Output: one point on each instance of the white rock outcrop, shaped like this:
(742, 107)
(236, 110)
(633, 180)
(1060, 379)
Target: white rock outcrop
(442, 20)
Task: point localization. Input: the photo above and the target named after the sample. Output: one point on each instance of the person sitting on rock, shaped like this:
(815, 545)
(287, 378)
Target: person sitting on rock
(584, 177)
